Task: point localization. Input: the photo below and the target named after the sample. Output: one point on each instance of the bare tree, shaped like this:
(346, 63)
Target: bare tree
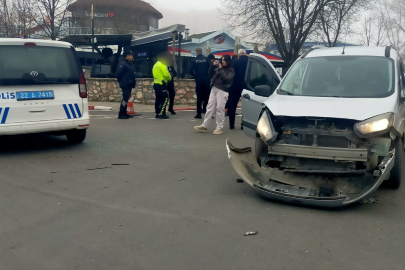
(373, 31)
(25, 16)
(52, 15)
(6, 20)
(288, 22)
(392, 14)
(336, 18)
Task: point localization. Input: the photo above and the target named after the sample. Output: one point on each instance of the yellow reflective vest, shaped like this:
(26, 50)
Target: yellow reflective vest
(161, 73)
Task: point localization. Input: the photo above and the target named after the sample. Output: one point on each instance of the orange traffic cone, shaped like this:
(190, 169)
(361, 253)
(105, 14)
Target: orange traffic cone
(130, 108)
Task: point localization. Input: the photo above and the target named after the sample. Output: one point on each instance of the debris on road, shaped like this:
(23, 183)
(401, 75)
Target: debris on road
(250, 233)
(101, 168)
(50, 181)
(239, 180)
(119, 224)
(374, 199)
(182, 179)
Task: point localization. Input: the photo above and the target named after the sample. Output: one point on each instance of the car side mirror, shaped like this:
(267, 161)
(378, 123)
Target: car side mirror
(263, 91)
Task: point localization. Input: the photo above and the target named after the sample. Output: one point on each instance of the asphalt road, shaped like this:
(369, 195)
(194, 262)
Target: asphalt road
(177, 205)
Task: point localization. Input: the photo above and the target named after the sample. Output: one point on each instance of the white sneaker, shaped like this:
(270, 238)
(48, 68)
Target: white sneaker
(218, 131)
(201, 129)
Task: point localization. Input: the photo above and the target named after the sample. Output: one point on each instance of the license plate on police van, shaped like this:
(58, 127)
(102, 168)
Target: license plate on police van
(35, 95)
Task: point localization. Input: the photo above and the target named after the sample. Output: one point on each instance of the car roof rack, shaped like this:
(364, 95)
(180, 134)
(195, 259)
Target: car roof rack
(388, 51)
(312, 49)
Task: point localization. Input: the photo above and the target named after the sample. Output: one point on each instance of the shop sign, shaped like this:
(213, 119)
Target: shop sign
(100, 15)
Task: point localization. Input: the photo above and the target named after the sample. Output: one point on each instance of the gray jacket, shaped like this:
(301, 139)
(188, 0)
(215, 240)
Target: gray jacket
(221, 78)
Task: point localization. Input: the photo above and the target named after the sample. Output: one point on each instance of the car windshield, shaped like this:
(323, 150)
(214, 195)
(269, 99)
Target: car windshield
(342, 76)
(27, 65)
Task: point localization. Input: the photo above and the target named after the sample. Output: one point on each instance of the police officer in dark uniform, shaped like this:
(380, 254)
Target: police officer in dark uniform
(199, 69)
(170, 88)
(237, 86)
(126, 78)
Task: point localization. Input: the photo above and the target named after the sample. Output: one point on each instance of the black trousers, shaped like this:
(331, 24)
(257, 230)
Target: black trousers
(203, 91)
(234, 97)
(162, 98)
(172, 94)
(126, 94)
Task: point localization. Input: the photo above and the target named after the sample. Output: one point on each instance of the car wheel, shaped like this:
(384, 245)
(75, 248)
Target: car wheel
(396, 172)
(76, 136)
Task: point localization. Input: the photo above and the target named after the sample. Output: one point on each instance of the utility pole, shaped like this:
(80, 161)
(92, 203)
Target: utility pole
(179, 65)
(92, 38)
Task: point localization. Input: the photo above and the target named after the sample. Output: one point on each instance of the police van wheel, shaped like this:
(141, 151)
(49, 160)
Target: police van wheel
(76, 136)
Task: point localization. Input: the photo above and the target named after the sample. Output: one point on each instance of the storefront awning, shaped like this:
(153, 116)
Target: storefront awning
(101, 40)
(184, 53)
(156, 35)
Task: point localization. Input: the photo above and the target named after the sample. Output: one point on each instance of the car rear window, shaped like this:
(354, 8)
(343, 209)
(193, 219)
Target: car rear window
(27, 65)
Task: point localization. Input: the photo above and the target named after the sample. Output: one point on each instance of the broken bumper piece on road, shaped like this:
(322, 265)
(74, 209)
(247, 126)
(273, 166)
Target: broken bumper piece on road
(320, 190)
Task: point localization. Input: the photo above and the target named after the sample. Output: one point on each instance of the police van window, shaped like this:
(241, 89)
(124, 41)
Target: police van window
(51, 65)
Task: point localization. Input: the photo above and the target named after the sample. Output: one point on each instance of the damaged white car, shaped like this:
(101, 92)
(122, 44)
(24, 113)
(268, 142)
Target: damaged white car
(330, 133)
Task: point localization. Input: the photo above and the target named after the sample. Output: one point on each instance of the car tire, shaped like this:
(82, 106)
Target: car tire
(396, 172)
(76, 136)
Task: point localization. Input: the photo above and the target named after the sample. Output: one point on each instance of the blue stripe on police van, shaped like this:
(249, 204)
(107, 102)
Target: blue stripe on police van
(4, 119)
(72, 110)
(78, 110)
(67, 111)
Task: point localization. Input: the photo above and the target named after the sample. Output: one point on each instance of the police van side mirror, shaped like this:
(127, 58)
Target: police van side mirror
(263, 91)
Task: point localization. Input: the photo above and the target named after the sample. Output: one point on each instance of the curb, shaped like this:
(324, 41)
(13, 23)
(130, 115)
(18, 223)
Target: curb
(104, 108)
(99, 108)
(193, 109)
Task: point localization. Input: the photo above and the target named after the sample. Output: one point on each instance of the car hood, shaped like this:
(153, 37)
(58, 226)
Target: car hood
(345, 108)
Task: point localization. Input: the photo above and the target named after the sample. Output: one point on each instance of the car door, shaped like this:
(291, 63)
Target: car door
(259, 72)
(401, 105)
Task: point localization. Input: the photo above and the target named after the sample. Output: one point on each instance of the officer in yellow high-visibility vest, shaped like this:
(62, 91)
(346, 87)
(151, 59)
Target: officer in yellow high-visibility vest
(162, 77)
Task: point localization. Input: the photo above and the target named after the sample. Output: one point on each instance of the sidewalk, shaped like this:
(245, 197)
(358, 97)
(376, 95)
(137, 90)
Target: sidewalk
(143, 107)
(138, 107)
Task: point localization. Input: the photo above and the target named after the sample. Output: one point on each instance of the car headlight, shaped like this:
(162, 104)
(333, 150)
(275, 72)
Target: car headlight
(265, 128)
(378, 124)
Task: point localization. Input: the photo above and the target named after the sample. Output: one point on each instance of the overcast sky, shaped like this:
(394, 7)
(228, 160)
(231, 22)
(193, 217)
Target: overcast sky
(198, 16)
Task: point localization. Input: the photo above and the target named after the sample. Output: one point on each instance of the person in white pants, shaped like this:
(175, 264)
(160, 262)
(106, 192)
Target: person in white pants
(222, 74)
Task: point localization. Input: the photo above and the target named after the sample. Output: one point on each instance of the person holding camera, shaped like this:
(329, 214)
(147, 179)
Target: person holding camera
(222, 75)
(162, 78)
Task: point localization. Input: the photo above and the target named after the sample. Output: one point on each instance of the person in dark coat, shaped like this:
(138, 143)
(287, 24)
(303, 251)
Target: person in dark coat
(126, 78)
(199, 69)
(171, 89)
(237, 86)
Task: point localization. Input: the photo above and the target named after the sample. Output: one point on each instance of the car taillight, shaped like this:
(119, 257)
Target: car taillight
(30, 44)
(82, 86)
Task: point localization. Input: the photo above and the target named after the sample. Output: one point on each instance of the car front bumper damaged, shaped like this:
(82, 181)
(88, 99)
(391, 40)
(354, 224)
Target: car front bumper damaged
(320, 190)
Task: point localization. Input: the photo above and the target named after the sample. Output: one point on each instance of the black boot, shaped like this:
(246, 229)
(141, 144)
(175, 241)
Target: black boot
(198, 116)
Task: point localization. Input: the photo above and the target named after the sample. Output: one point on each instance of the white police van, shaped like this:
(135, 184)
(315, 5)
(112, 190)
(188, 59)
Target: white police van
(42, 89)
